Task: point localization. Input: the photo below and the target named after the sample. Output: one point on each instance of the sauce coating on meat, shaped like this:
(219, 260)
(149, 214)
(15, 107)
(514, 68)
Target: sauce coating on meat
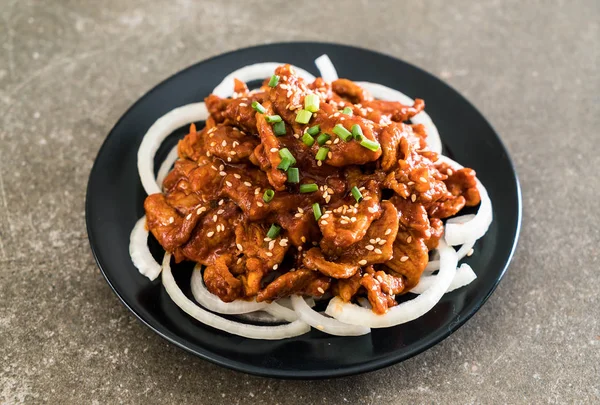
(308, 188)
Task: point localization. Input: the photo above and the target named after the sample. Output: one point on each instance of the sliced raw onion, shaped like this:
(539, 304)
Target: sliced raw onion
(250, 331)
(457, 233)
(139, 252)
(464, 275)
(248, 73)
(212, 302)
(158, 132)
(386, 93)
(434, 265)
(323, 323)
(280, 312)
(166, 166)
(326, 68)
(262, 317)
(406, 311)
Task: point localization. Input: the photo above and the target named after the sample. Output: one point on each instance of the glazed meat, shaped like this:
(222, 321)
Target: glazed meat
(308, 188)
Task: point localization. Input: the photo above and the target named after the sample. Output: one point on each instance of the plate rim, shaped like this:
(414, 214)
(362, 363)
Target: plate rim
(308, 374)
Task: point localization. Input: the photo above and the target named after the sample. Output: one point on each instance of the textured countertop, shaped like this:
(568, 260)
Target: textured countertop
(69, 69)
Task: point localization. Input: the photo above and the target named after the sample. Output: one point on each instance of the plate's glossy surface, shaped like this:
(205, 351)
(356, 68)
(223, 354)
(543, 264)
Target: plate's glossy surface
(115, 201)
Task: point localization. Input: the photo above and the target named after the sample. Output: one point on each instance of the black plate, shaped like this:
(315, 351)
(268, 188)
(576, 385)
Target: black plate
(115, 201)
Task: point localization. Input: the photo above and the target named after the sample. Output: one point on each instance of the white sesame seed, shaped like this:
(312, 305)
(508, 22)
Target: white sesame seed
(256, 190)
(296, 136)
(388, 231)
(222, 167)
(299, 248)
(353, 219)
(207, 154)
(328, 142)
(423, 179)
(410, 183)
(372, 241)
(237, 176)
(243, 105)
(362, 262)
(221, 202)
(220, 211)
(329, 155)
(222, 174)
(369, 247)
(449, 171)
(298, 215)
(382, 242)
(409, 239)
(267, 239)
(228, 183)
(283, 242)
(210, 234)
(275, 267)
(200, 210)
(239, 260)
(344, 222)
(247, 184)
(325, 216)
(330, 191)
(235, 143)
(324, 222)
(228, 159)
(171, 220)
(240, 248)
(215, 218)
(404, 258)
(271, 245)
(259, 204)
(336, 141)
(378, 251)
(413, 198)
(274, 150)
(188, 216)
(372, 210)
(470, 253)
(300, 210)
(269, 254)
(232, 153)
(327, 199)
(320, 290)
(303, 239)
(319, 163)
(213, 143)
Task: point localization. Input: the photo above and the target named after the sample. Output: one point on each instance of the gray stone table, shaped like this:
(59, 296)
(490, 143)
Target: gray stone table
(70, 68)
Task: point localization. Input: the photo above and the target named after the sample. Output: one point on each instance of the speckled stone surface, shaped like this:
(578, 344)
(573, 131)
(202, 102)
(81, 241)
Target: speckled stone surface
(69, 69)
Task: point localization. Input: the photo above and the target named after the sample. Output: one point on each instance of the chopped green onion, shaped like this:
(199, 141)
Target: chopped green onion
(322, 153)
(273, 118)
(273, 231)
(321, 139)
(356, 193)
(279, 128)
(369, 144)
(311, 103)
(317, 211)
(274, 80)
(293, 175)
(303, 116)
(285, 164)
(258, 107)
(357, 132)
(347, 111)
(285, 153)
(308, 188)
(342, 132)
(314, 130)
(307, 139)
(268, 195)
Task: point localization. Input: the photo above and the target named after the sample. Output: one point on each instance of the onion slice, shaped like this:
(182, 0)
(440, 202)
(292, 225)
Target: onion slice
(323, 323)
(406, 311)
(386, 93)
(139, 252)
(457, 233)
(464, 275)
(208, 318)
(213, 303)
(256, 71)
(158, 132)
(326, 68)
(166, 166)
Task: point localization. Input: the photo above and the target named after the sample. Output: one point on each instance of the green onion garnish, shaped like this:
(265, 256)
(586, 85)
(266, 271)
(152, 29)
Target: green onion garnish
(268, 195)
(303, 116)
(279, 128)
(357, 132)
(369, 144)
(321, 139)
(307, 139)
(273, 118)
(311, 103)
(285, 153)
(317, 211)
(274, 80)
(314, 130)
(356, 193)
(293, 175)
(322, 153)
(285, 164)
(342, 132)
(273, 231)
(347, 111)
(308, 188)
(258, 107)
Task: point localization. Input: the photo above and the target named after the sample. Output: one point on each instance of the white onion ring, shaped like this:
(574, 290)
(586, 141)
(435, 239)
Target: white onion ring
(406, 311)
(213, 303)
(457, 233)
(235, 328)
(326, 68)
(256, 71)
(166, 166)
(464, 275)
(139, 252)
(323, 323)
(158, 132)
(434, 265)
(386, 93)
